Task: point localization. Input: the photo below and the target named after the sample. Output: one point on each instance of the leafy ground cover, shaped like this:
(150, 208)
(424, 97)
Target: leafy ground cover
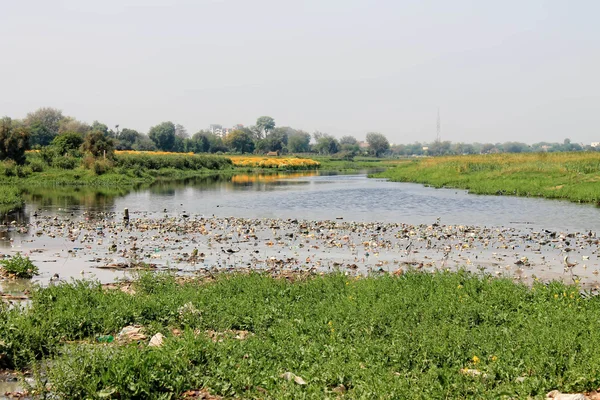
(569, 176)
(443, 335)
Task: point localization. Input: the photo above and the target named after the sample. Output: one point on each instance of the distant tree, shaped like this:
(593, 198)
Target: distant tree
(440, 148)
(66, 143)
(378, 143)
(98, 126)
(127, 138)
(488, 148)
(199, 142)
(298, 142)
(264, 125)
(143, 143)
(276, 139)
(98, 144)
(70, 124)
(43, 124)
(326, 144)
(239, 141)
(180, 131)
(163, 135)
(349, 145)
(515, 147)
(14, 140)
(351, 140)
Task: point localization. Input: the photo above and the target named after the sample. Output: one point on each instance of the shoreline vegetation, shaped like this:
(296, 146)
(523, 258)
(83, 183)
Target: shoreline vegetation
(128, 169)
(567, 176)
(297, 334)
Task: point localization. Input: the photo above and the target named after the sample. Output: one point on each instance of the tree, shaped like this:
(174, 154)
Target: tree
(69, 124)
(67, 142)
(326, 144)
(180, 131)
(199, 142)
(143, 143)
(239, 141)
(127, 139)
(276, 139)
(43, 125)
(98, 145)
(298, 142)
(163, 135)
(264, 125)
(349, 144)
(378, 143)
(99, 126)
(14, 140)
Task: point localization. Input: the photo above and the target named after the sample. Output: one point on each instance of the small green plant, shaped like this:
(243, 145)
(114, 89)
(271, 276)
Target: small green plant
(20, 267)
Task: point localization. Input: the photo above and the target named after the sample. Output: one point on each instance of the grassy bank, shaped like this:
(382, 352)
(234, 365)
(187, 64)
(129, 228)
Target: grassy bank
(450, 335)
(569, 176)
(329, 163)
(10, 198)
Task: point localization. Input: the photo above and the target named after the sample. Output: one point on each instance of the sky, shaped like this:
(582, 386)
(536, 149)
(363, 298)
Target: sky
(510, 70)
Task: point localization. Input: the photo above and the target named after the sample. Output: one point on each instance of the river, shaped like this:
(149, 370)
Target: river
(69, 231)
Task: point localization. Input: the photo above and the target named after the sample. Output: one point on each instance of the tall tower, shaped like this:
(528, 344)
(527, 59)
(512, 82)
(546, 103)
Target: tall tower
(438, 138)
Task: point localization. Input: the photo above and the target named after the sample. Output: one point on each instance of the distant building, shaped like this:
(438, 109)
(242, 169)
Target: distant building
(595, 144)
(363, 145)
(213, 128)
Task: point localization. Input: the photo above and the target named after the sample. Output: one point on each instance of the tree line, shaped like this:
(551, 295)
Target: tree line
(438, 148)
(48, 130)
(55, 134)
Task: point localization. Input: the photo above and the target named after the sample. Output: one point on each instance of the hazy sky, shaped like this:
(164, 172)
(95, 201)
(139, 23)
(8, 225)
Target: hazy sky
(524, 70)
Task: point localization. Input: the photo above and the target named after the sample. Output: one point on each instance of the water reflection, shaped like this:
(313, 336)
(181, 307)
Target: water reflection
(12, 223)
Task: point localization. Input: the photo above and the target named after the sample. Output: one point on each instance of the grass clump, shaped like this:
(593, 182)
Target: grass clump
(19, 267)
(569, 176)
(10, 198)
(397, 337)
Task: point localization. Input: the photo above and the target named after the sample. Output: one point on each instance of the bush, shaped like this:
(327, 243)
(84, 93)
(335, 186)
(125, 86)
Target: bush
(65, 162)
(102, 166)
(23, 171)
(37, 165)
(9, 167)
(20, 267)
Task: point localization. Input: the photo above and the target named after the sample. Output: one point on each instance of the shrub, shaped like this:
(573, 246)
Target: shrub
(10, 168)
(65, 162)
(36, 165)
(20, 267)
(102, 166)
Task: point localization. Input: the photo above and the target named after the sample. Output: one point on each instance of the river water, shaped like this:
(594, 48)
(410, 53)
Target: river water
(70, 231)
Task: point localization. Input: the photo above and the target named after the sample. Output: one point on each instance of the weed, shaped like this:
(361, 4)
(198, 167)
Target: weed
(19, 267)
(411, 336)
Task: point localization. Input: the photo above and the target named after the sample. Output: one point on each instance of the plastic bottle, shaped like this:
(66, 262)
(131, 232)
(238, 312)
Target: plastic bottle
(105, 339)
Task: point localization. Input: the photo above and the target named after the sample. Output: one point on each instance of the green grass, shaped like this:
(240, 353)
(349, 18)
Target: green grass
(10, 198)
(331, 163)
(570, 176)
(379, 337)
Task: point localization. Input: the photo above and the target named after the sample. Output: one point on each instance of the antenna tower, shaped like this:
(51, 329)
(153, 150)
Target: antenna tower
(438, 138)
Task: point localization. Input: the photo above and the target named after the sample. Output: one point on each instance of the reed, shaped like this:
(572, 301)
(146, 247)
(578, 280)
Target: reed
(570, 176)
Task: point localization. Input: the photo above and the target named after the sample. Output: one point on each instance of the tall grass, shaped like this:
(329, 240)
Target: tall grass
(570, 176)
(10, 198)
(378, 337)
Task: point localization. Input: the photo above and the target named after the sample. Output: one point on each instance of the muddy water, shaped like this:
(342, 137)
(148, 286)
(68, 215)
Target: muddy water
(248, 220)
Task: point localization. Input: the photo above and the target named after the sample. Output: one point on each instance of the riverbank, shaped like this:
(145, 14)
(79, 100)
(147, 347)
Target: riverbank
(569, 176)
(268, 335)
